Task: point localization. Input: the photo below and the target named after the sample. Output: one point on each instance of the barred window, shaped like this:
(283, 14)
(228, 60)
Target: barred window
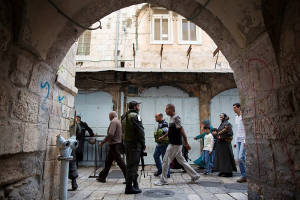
(84, 43)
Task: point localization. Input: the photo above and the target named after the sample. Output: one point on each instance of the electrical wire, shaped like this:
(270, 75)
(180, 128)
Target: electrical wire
(71, 20)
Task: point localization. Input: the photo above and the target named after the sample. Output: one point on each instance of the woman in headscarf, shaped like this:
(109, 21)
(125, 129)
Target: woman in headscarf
(224, 159)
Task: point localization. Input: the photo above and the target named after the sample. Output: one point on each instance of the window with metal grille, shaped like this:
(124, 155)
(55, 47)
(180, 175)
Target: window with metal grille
(84, 43)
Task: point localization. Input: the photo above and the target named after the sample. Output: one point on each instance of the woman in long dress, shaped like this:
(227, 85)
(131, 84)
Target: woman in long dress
(224, 159)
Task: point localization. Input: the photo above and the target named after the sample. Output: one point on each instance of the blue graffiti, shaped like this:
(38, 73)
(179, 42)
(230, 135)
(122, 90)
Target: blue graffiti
(60, 99)
(44, 85)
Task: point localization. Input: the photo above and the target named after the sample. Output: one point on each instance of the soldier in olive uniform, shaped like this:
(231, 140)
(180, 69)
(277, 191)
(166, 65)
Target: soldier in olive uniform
(134, 140)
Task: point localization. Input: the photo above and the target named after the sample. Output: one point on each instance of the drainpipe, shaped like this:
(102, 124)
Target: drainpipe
(65, 147)
(117, 38)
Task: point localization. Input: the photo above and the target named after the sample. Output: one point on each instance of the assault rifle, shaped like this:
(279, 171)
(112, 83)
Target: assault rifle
(143, 154)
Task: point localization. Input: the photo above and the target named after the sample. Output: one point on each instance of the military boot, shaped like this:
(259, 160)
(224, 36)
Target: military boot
(129, 188)
(74, 185)
(136, 184)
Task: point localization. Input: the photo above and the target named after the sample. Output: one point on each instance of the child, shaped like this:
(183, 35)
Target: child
(207, 149)
(215, 135)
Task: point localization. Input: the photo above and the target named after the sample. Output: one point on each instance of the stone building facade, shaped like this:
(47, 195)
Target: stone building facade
(132, 38)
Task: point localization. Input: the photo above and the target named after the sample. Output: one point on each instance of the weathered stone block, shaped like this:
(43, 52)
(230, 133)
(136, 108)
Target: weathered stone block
(54, 122)
(26, 107)
(19, 166)
(26, 189)
(35, 138)
(52, 153)
(12, 134)
(21, 72)
(42, 80)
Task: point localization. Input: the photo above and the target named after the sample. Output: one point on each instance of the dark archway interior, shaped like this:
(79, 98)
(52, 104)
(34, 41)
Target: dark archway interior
(259, 39)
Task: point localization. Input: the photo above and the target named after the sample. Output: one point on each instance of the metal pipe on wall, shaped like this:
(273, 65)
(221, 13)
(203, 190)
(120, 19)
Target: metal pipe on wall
(117, 38)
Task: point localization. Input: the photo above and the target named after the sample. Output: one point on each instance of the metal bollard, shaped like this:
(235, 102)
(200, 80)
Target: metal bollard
(65, 147)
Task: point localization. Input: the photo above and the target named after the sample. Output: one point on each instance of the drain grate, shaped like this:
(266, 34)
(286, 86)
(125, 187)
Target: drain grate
(210, 183)
(159, 193)
(236, 186)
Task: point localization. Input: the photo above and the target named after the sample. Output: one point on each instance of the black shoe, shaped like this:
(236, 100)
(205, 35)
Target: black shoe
(136, 185)
(130, 189)
(74, 185)
(157, 173)
(227, 175)
(101, 180)
(220, 174)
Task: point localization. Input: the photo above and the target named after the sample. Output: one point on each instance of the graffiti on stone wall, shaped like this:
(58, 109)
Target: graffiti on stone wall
(260, 100)
(45, 86)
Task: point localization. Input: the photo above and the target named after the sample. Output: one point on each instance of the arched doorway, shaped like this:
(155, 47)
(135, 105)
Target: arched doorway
(263, 53)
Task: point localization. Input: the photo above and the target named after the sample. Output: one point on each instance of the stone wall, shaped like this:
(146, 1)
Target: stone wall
(36, 104)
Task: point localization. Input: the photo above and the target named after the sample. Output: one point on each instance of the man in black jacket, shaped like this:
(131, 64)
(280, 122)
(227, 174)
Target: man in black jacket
(80, 134)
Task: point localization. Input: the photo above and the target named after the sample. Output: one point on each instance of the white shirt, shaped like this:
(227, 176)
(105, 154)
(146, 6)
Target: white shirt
(240, 131)
(208, 142)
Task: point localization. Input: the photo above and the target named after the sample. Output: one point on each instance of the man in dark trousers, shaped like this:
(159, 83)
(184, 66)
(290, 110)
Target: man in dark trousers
(114, 139)
(80, 134)
(134, 140)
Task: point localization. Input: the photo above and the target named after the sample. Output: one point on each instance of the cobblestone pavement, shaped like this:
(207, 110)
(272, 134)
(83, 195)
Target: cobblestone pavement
(179, 188)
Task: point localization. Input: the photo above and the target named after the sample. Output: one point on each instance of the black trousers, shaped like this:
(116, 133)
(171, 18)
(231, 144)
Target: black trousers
(73, 173)
(113, 155)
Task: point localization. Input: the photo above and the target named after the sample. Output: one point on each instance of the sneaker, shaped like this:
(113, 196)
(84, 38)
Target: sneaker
(195, 179)
(205, 173)
(160, 183)
(242, 180)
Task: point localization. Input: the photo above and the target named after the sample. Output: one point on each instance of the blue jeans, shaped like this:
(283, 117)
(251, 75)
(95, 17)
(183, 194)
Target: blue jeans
(241, 157)
(207, 161)
(160, 150)
(212, 158)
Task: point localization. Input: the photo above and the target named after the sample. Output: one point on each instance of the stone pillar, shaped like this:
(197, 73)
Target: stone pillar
(269, 113)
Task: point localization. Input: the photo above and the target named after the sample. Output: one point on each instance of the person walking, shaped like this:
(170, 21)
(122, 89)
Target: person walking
(207, 149)
(224, 159)
(240, 142)
(174, 150)
(73, 171)
(161, 146)
(134, 140)
(114, 140)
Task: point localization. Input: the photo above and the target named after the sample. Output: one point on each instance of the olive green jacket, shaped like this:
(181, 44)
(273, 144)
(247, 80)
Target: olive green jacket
(132, 127)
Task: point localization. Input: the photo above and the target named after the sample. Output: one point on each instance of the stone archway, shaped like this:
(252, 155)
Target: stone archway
(263, 54)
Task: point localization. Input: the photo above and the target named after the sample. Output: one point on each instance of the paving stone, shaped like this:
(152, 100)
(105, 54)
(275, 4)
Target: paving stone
(179, 188)
(239, 196)
(224, 197)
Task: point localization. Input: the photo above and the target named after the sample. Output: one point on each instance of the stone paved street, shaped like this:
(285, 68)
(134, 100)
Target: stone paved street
(179, 188)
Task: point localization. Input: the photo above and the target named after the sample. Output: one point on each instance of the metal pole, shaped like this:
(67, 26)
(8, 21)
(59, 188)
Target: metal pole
(117, 38)
(64, 171)
(66, 147)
